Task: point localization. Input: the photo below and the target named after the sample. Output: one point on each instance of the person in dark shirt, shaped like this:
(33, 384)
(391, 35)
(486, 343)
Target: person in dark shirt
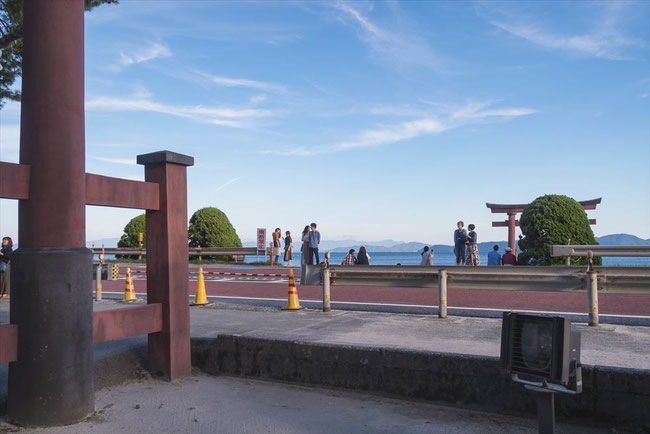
(508, 258)
(363, 258)
(288, 248)
(460, 237)
(5, 258)
(472, 258)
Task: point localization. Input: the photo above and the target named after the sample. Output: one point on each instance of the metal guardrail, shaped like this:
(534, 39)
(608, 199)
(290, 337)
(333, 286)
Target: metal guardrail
(194, 251)
(622, 280)
(583, 250)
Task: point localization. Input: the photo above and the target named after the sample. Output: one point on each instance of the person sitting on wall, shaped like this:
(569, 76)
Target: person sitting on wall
(508, 258)
(494, 257)
(350, 259)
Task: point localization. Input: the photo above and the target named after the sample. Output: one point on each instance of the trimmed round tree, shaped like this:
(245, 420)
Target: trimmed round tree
(553, 219)
(209, 227)
(130, 236)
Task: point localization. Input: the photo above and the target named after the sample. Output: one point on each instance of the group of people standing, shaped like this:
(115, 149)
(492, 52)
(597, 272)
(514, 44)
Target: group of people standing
(309, 249)
(466, 245)
(5, 258)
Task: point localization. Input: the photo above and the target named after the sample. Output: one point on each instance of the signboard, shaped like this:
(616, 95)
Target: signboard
(261, 239)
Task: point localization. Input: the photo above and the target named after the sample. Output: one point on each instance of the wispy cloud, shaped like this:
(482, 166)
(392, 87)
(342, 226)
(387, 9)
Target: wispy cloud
(226, 184)
(143, 54)
(244, 82)
(604, 40)
(472, 113)
(398, 45)
(222, 116)
(125, 161)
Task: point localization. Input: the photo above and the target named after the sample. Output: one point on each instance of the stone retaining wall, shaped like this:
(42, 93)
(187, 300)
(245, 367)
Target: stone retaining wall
(611, 395)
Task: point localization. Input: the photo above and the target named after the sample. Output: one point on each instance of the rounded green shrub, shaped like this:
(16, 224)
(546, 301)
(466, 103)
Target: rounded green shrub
(209, 227)
(131, 231)
(130, 236)
(553, 219)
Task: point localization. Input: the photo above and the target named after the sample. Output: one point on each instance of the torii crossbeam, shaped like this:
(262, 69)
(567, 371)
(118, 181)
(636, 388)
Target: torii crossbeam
(512, 210)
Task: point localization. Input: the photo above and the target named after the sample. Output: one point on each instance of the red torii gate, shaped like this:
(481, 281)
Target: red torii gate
(49, 341)
(513, 210)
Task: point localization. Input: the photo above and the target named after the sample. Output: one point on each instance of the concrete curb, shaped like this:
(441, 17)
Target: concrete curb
(611, 395)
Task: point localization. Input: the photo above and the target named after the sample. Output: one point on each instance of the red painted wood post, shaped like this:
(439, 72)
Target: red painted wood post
(51, 382)
(512, 222)
(168, 264)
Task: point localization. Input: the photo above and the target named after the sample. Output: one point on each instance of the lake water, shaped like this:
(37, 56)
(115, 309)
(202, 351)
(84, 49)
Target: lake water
(388, 258)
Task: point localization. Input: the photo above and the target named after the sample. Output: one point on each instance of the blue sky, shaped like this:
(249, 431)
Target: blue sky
(375, 119)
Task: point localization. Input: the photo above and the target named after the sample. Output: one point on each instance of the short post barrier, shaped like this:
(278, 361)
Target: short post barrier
(98, 283)
(272, 253)
(326, 290)
(592, 291)
(115, 272)
(442, 294)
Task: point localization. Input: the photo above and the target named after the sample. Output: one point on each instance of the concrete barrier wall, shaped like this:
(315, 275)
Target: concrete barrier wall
(611, 395)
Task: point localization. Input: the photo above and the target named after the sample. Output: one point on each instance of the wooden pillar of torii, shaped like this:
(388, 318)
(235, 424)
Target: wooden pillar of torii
(512, 210)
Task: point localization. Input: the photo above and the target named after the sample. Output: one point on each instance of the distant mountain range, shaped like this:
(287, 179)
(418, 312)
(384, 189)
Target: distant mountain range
(622, 240)
(400, 246)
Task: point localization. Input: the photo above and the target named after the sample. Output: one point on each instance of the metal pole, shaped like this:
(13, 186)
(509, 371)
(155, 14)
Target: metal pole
(592, 294)
(592, 290)
(546, 412)
(442, 294)
(568, 261)
(326, 290)
(98, 283)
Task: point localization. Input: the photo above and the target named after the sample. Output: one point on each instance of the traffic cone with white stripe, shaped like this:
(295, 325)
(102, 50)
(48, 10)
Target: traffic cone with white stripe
(292, 302)
(129, 289)
(201, 299)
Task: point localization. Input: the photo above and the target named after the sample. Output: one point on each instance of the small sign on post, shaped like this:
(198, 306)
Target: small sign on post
(261, 240)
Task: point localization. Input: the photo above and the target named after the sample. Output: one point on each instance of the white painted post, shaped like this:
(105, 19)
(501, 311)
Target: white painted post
(326, 290)
(98, 282)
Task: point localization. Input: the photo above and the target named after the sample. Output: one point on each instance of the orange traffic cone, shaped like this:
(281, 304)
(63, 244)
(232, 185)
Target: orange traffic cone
(292, 302)
(129, 290)
(200, 299)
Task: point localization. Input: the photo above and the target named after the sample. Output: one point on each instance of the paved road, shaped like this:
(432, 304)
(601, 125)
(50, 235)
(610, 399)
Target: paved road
(206, 404)
(276, 288)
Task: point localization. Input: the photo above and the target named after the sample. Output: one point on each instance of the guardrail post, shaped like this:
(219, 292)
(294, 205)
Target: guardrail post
(442, 294)
(592, 294)
(326, 290)
(98, 283)
(592, 290)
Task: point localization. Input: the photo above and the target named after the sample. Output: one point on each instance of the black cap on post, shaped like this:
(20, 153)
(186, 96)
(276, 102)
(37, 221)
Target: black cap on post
(161, 157)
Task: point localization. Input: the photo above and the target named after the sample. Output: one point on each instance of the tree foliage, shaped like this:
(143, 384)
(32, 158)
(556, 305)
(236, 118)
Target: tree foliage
(11, 44)
(131, 231)
(209, 227)
(553, 219)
